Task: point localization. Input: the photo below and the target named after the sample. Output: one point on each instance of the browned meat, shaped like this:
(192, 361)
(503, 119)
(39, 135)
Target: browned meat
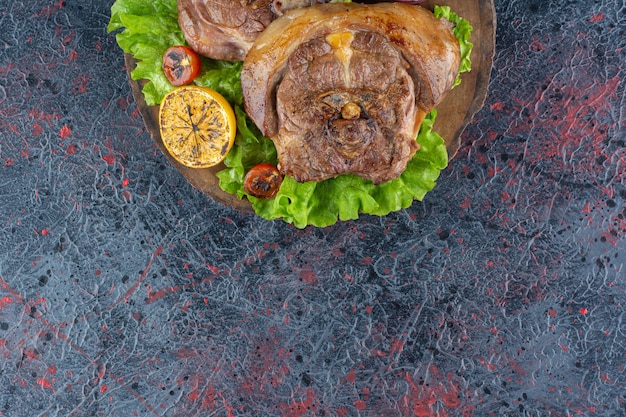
(344, 88)
(225, 29)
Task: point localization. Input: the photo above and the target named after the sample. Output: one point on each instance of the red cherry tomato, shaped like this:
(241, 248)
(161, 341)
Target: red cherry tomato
(181, 65)
(262, 181)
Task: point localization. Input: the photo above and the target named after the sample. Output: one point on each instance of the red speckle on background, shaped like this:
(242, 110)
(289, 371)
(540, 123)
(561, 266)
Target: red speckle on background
(31, 354)
(71, 150)
(342, 412)
(515, 365)
(65, 132)
(45, 232)
(397, 346)
(299, 408)
(422, 398)
(498, 106)
(124, 102)
(157, 295)
(450, 399)
(212, 268)
(48, 10)
(13, 128)
(4, 301)
(79, 85)
(69, 38)
(208, 397)
(583, 311)
(597, 18)
(44, 383)
(537, 46)
(360, 405)
(572, 128)
(605, 378)
(109, 158)
(351, 376)
(125, 182)
(467, 202)
(52, 370)
(37, 129)
(610, 236)
(308, 276)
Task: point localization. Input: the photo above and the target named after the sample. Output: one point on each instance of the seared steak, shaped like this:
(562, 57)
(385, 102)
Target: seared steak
(225, 29)
(344, 88)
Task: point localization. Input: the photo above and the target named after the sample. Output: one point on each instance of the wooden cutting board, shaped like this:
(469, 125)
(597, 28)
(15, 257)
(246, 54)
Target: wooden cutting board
(453, 114)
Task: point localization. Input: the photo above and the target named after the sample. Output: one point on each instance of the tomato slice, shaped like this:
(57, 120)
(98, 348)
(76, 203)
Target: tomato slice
(181, 65)
(263, 181)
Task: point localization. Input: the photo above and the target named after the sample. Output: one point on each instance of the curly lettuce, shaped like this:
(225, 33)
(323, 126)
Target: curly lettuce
(462, 31)
(145, 29)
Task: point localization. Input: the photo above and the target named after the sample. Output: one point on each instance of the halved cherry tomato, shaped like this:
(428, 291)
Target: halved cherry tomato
(262, 181)
(181, 65)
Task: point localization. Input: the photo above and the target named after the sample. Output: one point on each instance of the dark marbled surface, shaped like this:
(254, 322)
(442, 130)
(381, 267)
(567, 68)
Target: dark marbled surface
(125, 292)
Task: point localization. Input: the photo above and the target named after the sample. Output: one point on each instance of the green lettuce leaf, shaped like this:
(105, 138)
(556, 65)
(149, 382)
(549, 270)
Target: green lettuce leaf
(462, 31)
(145, 29)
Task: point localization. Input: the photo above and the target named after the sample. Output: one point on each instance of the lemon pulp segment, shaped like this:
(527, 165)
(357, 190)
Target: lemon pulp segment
(197, 126)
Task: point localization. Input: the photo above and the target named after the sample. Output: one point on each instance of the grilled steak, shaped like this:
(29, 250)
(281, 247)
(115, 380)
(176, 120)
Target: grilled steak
(225, 29)
(344, 88)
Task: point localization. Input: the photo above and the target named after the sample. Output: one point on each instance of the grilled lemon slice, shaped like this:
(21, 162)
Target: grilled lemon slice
(197, 126)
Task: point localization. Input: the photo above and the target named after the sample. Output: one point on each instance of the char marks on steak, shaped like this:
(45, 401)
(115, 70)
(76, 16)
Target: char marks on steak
(226, 29)
(344, 88)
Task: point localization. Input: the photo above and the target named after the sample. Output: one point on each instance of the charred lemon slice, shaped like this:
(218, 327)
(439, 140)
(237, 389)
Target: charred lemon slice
(197, 126)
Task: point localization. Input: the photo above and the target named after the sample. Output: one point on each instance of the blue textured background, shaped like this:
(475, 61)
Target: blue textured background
(125, 292)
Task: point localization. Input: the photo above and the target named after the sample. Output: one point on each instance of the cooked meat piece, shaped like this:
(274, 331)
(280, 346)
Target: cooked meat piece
(335, 120)
(344, 88)
(225, 29)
